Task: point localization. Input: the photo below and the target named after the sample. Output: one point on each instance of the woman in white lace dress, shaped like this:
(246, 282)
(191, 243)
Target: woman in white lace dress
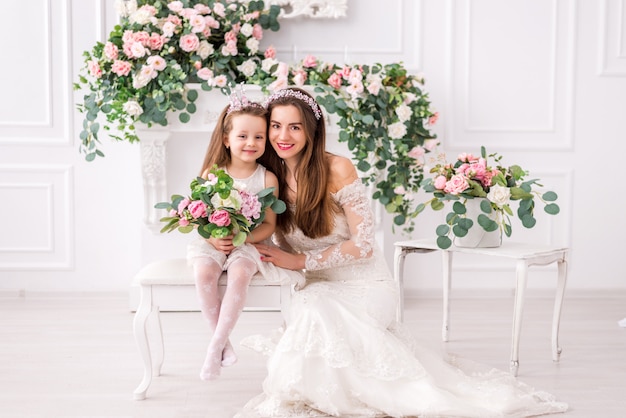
(342, 353)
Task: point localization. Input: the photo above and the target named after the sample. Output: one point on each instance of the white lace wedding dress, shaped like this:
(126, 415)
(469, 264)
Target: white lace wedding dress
(342, 353)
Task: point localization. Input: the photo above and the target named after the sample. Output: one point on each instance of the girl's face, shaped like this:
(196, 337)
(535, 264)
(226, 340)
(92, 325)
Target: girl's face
(286, 132)
(246, 139)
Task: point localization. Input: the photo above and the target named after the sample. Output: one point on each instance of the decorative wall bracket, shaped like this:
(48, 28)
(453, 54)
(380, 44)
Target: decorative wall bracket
(312, 8)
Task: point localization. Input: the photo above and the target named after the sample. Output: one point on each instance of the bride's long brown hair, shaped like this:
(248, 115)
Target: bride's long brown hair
(315, 207)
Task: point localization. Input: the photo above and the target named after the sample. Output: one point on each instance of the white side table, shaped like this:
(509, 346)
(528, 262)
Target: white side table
(525, 255)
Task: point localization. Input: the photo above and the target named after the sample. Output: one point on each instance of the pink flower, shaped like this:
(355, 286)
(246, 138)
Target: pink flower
(251, 207)
(299, 77)
(197, 209)
(230, 36)
(220, 80)
(182, 205)
(399, 190)
(456, 184)
(430, 144)
(309, 61)
(219, 9)
(467, 158)
(157, 62)
(257, 32)
(205, 74)
(335, 80)
(270, 52)
(189, 42)
(175, 6)
(417, 152)
(440, 182)
(433, 119)
(183, 222)
(220, 218)
(156, 42)
(121, 68)
(230, 48)
(94, 69)
(110, 51)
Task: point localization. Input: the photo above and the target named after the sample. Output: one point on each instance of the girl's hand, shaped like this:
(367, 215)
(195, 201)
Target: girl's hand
(281, 258)
(224, 245)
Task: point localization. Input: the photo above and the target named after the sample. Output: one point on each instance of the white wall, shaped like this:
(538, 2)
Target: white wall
(541, 82)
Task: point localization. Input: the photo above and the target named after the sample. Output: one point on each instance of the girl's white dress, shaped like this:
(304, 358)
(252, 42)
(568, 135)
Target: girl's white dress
(343, 354)
(199, 248)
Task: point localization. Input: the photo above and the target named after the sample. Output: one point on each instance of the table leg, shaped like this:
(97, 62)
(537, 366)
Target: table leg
(558, 303)
(144, 310)
(447, 279)
(398, 275)
(518, 309)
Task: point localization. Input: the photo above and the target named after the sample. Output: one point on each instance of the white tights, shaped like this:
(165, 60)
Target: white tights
(221, 315)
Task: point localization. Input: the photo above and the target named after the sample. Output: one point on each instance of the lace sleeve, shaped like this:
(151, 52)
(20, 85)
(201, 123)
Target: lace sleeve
(360, 224)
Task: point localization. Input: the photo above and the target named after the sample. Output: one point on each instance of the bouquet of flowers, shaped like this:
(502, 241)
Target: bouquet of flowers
(219, 207)
(471, 177)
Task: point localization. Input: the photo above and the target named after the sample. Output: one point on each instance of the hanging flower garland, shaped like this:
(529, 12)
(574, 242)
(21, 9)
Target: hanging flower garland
(140, 75)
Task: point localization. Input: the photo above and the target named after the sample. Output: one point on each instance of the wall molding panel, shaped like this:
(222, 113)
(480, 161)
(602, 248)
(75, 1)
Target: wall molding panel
(612, 39)
(536, 66)
(40, 235)
(39, 112)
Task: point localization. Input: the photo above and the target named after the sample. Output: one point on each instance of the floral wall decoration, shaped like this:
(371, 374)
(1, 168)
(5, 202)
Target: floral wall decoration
(140, 75)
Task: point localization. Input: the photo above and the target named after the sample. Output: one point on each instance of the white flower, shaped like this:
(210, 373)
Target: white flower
(133, 108)
(141, 80)
(500, 195)
(232, 201)
(205, 49)
(396, 130)
(125, 7)
(253, 45)
(141, 16)
(268, 63)
(404, 112)
(246, 30)
(248, 67)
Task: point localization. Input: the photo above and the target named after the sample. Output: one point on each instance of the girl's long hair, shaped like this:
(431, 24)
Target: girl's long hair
(217, 153)
(315, 208)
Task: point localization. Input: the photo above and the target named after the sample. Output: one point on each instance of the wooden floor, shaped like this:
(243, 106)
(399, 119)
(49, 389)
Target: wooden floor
(75, 356)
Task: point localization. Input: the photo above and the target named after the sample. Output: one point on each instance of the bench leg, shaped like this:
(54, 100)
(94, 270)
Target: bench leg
(141, 338)
(558, 304)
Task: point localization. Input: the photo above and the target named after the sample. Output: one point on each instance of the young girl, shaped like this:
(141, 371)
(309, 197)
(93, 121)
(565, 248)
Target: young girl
(237, 141)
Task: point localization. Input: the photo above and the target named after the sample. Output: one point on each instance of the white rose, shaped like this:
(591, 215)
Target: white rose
(404, 112)
(233, 201)
(205, 49)
(397, 130)
(248, 67)
(268, 63)
(246, 30)
(133, 108)
(500, 195)
(253, 45)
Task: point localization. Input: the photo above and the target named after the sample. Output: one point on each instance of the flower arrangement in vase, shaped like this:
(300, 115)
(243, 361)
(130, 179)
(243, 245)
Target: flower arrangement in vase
(497, 186)
(219, 207)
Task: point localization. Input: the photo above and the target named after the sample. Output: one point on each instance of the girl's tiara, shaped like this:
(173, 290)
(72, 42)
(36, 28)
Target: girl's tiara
(239, 101)
(298, 95)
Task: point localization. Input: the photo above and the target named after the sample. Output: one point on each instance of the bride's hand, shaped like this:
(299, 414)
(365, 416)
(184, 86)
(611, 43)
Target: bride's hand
(281, 258)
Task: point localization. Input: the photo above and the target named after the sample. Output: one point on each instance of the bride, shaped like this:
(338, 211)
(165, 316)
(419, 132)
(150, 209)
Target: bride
(342, 352)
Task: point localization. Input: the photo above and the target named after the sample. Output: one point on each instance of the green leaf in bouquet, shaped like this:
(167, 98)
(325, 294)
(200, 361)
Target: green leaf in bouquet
(485, 206)
(442, 230)
(549, 196)
(528, 221)
(437, 205)
(459, 208)
(279, 206)
(399, 219)
(163, 205)
(265, 192)
(220, 232)
(239, 238)
(186, 229)
(459, 231)
(507, 229)
(465, 223)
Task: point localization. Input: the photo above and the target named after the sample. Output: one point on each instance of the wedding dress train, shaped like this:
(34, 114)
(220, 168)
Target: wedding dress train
(343, 354)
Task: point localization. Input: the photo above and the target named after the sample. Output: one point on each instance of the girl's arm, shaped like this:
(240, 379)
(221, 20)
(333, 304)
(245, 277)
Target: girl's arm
(267, 227)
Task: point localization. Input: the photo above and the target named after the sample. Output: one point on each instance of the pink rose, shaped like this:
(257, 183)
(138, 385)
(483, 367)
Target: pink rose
(175, 6)
(197, 209)
(335, 80)
(440, 182)
(270, 52)
(121, 68)
(156, 42)
(183, 222)
(430, 144)
(257, 32)
(220, 218)
(456, 184)
(309, 61)
(433, 119)
(110, 51)
(182, 205)
(417, 152)
(205, 74)
(189, 43)
(94, 69)
(299, 77)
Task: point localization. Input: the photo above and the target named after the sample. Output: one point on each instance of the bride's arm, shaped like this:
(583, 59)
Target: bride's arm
(351, 195)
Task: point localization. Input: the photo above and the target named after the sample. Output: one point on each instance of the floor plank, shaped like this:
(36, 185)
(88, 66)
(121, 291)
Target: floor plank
(74, 355)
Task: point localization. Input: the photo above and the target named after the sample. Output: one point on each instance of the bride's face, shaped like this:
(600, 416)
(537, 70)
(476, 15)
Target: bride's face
(286, 132)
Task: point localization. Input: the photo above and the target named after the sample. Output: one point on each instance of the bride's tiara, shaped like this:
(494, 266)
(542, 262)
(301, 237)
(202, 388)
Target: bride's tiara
(298, 95)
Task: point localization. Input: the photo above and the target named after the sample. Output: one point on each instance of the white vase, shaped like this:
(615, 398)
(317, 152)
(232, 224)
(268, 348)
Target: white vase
(477, 237)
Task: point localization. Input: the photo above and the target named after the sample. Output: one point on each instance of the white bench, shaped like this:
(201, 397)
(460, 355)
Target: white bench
(155, 281)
